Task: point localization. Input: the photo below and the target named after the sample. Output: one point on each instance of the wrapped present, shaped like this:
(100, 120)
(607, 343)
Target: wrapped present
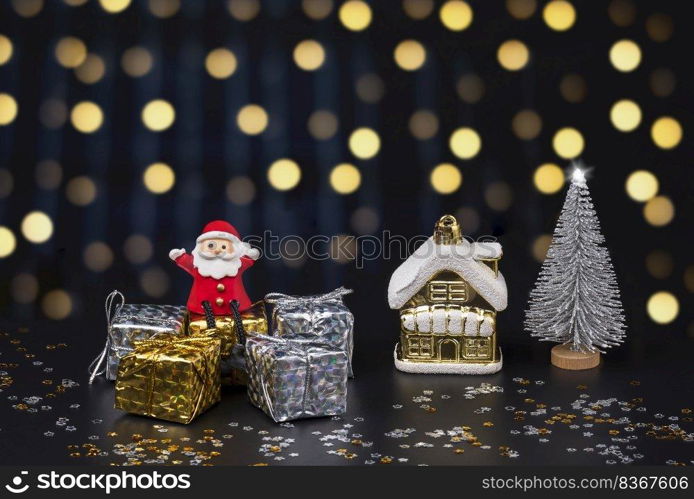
(170, 377)
(292, 380)
(254, 321)
(322, 319)
(127, 323)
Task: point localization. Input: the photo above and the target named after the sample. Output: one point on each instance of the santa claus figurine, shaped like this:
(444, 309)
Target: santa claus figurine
(217, 264)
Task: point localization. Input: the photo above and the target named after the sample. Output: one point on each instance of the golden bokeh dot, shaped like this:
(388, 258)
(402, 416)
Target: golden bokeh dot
(470, 88)
(498, 196)
(424, 124)
(57, 304)
(81, 191)
(465, 143)
(164, 8)
(540, 246)
(138, 248)
(37, 227)
(252, 119)
(365, 220)
(159, 178)
(317, 9)
(355, 15)
(70, 52)
(6, 49)
(243, 10)
(8, 109)
(410, 55)
(6, 182)
(154, 282)
(641, 185)
(513, 55)
(8, 242)
(114, 6)
(559, 15)
(221, 63)
(75, 3)
(322, 124)
(456, 15)
(240, 190)
(468, 218)
(87, 117)
(625, 115)
(689, 278)
(659, 211)
(24, 288)
(345, 178)
(309, 55)
(370, 88)
(418, 9)
(343, 248)
(548, 178)
(573, 88)
(666, 132)
(621, 12)
(662, 82)
(446, 178)
(284, 174)
(625, 55)
(526, 124)
(659, 264)
(48, 174)
(568, 143)
(158, 115)
(27, 8)
(663, 307)
(521, 9)
(137, 61)
(659, 27)
(98, 256)
(364, 143)
(53, 113)
(91, 70)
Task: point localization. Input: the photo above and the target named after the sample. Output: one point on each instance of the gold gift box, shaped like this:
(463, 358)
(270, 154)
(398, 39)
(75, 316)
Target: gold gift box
(173, 378)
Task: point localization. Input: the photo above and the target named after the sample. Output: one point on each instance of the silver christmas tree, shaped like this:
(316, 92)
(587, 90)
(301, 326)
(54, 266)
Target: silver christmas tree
(576, 298)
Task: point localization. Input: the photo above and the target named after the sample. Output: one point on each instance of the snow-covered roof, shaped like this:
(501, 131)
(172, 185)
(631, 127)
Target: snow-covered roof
(463, 259)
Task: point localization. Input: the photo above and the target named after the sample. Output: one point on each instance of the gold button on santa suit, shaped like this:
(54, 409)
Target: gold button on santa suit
(220, 287)
(219, 302)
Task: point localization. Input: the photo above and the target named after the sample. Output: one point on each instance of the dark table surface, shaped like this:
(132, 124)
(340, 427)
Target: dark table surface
(635, 408)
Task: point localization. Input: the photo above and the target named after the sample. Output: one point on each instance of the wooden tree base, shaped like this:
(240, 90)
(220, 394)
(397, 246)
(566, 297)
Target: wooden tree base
(564, 358)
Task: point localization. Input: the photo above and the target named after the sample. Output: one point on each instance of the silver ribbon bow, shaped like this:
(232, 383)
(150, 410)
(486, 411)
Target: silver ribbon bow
(281, 299)
(112, 308)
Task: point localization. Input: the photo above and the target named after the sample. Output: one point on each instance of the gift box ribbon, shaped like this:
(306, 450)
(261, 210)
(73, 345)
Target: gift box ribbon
(280, 299)
(112, 308)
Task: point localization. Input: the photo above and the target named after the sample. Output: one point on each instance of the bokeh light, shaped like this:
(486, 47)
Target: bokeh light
(154, 282)
(540, 246)
(526, 124)
(81, 191)
(659, 211)
(625, 115)
(548, 178)
(164, 9)
(37, 227)
(87, 117)
(423, 124)
(364, 143)
(57, 304)
(240, 190)
(309, 55)
(641, 185)
(470, 88)
(659, 264)
(659, 27)
(70, 52)
(159, 178)
(98, 256)
(456, 15)
(573, 88)
(513, 55)
(410, 55)
(622, 12)
(498, 196)
(666, 132)
(6, 49)
(27, 8)
(91, 70)
(284, 174)
(625, 55)
(243, 10)
(137, 61)
(343, 248)
(24, 288)
(370, 88)
(220, 63)
(469, 219)
(365, 220)
(568, 143)
(158, 115)
(559, 15)
(8, 242)
(114, 6)
(6, 182)
(446, 178)
(465, 143)
(345, 178)
(355, 15)
(138, 249)
(317, 9)
(521, 9)
(8, 109)
(53, 113)
(418, 9)
(663, 307)
(662, 82)
(252, 119)
(49, 174)
(689, 278)
(322, 124)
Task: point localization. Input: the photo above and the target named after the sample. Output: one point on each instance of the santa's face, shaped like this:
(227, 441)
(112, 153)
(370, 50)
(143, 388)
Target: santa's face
(216, 258)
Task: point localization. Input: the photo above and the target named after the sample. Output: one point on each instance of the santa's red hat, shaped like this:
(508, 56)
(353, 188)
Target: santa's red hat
(219, 229)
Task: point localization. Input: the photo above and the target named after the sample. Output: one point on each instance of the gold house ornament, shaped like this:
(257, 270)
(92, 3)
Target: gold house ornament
(448, 293)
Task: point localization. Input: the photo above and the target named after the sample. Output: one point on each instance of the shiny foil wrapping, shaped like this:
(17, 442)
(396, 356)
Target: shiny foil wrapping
(293, 380)
(319, 319)
(170, 377)
(135, 322)
(254, 321)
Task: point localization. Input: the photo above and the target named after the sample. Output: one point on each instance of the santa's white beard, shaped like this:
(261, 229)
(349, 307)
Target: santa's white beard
(217, 266)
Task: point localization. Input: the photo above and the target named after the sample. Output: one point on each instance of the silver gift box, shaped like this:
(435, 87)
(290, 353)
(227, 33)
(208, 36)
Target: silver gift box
(318, 319)
(290, 380)
(134, 322)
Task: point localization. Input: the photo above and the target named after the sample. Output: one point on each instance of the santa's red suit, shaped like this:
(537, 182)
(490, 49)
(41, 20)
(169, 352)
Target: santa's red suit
(217, 289)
